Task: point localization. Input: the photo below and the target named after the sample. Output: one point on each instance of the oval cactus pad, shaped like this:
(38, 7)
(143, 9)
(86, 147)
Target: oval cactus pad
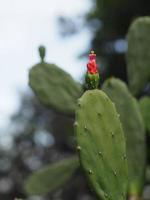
(101, 145)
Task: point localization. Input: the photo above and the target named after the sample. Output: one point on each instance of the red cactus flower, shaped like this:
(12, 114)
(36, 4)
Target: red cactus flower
(92, 67)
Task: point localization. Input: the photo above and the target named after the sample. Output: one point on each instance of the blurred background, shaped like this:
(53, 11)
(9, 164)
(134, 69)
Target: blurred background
(30, 136)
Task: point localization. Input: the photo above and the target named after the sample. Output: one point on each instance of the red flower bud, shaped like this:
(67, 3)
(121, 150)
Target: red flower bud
(92, 67)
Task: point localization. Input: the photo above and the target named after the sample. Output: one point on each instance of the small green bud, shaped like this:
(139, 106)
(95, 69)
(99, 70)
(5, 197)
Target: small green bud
(42, 52)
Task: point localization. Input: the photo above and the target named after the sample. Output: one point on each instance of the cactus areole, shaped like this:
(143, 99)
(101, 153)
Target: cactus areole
(92, 75)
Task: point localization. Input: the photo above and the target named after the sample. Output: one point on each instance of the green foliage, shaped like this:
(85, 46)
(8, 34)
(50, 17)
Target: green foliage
(51, 177)
(101, 145)
(54, 87)
(138, 55)
(133, 126)
(145, 110)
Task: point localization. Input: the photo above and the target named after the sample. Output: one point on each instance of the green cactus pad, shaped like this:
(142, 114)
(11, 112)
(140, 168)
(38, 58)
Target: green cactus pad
(54, 87)
(145, 110)
(101, 145)
(133, 127)
(138, 54)
(51, 177)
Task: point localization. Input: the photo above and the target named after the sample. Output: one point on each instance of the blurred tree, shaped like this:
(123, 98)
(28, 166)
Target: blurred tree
(109, 21)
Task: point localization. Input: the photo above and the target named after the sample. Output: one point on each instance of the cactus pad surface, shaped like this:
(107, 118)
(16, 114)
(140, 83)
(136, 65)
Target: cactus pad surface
(101, 145)
(133, 127)
(138, 54)
(145, 110)
(54, 87)
(51, 177)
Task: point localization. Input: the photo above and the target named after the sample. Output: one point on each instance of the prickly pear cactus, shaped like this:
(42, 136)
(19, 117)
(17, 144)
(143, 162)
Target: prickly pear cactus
(138, 54)
(101, 145)
(51, 177)
(145, 110)
(53, 86)
(133, 127)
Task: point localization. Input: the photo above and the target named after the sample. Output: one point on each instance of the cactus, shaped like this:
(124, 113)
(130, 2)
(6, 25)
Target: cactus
(145, 110)
(54, 87)
(101, 145)
(133, 127)
(51, 177)
(138, 54)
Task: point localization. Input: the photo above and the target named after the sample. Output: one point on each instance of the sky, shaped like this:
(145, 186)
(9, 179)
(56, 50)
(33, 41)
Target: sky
(26, 24)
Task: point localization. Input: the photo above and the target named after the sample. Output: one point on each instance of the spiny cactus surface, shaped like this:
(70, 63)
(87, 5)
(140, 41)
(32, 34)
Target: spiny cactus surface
(138, 54)
(101, 145)
(51, 177)
(145, 110)
(133, 127)
(54, 87)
